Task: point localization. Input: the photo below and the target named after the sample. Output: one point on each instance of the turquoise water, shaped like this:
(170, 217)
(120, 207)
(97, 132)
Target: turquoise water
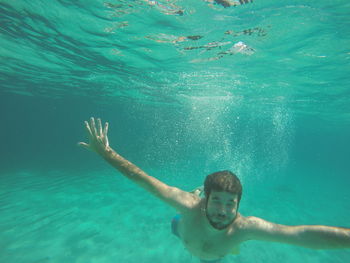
(261, 89)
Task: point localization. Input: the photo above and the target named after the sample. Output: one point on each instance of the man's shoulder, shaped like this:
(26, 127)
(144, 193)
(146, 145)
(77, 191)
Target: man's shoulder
(252, 227)
(248, 223)
(194, 205)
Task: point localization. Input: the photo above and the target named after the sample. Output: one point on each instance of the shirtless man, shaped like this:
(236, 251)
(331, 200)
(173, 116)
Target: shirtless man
(211, 227)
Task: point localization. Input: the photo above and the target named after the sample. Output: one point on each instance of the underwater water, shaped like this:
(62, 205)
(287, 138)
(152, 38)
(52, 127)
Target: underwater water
(189, 88)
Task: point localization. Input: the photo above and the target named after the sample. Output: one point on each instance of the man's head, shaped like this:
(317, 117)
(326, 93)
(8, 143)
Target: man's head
(223, 181)
(223, 191)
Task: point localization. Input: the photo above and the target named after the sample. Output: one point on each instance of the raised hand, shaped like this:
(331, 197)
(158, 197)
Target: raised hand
(98, 140)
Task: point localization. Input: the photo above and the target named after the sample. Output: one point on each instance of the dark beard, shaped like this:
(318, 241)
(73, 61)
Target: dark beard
(217, 226)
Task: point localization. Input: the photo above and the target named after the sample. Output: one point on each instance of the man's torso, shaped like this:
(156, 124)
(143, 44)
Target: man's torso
(204, 241)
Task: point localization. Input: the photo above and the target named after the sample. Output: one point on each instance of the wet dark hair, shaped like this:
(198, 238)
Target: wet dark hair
(223, 181)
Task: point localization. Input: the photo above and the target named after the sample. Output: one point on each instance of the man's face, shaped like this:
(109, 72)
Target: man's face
(221, 209)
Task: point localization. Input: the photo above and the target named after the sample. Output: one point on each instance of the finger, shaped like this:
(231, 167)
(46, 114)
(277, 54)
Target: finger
(88, 128)
(84, 145)
(105, 129)
(99, 126)
(93, 127)
(107, 142)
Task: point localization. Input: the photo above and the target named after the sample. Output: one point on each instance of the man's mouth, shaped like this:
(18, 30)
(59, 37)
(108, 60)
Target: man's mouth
(220, 217)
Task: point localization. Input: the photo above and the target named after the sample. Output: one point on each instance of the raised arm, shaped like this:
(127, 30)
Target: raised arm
(310, 236)
(98, 142)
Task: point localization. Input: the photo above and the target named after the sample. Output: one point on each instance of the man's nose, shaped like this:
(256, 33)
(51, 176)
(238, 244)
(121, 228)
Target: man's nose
(221, 213)
(221, 210)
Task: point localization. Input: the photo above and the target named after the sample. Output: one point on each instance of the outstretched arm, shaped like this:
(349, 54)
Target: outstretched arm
(98, 142)
(310, 236)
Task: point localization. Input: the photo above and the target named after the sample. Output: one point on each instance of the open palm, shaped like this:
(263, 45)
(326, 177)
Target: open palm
(98, 140)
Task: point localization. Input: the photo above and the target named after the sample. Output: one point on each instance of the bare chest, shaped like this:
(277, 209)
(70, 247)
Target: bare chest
(206, 244)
